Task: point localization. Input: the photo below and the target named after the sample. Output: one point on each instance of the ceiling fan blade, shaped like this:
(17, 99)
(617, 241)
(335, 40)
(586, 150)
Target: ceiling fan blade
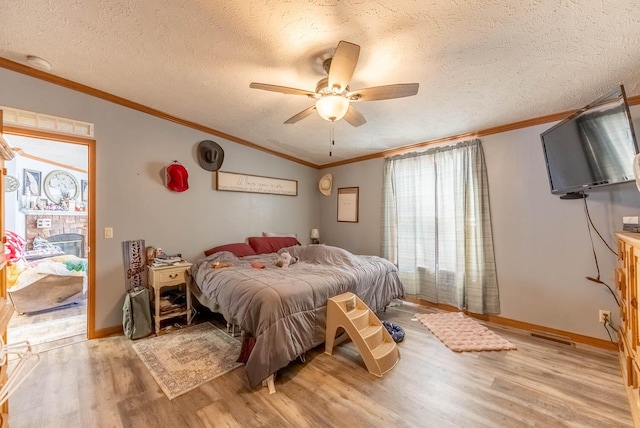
(304, 113)
(343, 64)
(282, 89)
(386, 92)
(354, 117)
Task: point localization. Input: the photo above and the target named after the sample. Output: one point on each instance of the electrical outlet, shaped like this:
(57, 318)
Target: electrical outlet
(602, 314)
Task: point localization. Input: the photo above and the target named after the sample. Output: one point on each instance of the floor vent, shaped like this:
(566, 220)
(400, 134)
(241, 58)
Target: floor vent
(553, 337)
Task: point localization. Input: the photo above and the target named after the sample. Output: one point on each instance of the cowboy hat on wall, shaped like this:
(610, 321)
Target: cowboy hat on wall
(325, 184)
(210, 155)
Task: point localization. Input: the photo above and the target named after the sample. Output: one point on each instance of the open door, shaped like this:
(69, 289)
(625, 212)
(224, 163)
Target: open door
(87, 189)
(7, 153)
(6, 310)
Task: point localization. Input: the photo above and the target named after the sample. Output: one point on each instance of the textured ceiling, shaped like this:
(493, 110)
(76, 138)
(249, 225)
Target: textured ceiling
(479, 64)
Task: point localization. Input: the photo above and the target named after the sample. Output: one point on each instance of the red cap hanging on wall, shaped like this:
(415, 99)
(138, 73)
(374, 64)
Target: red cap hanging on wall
(176, 177)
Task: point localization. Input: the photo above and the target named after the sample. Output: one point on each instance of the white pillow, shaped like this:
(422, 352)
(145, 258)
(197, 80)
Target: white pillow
(280, 235)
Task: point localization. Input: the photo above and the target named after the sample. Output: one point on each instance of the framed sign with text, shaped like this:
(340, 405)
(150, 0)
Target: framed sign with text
(236, 182)
(348, 204)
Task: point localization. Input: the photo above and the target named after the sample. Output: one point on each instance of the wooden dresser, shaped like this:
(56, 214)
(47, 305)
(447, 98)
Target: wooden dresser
(628, 287)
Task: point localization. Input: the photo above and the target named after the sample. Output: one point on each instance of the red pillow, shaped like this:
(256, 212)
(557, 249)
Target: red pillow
(271, 244)
(239, 250)
(14, 248)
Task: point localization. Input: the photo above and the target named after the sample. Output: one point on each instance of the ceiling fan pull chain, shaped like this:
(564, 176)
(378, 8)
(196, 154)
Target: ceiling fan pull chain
(331, 138)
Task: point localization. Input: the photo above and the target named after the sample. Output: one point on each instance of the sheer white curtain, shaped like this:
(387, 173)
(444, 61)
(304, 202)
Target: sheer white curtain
(437, 226)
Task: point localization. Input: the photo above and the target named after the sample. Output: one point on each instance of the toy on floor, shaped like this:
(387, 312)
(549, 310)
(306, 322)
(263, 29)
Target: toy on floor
(396, 332)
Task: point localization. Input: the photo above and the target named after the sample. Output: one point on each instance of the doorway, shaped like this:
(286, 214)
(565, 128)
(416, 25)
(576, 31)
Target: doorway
(47, 210)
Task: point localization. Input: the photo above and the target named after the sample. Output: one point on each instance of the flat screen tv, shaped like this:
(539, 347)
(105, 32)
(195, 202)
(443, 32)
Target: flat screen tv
(593, 147)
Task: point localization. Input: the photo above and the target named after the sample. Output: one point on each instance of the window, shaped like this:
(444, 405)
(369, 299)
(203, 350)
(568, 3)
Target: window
(437, 226)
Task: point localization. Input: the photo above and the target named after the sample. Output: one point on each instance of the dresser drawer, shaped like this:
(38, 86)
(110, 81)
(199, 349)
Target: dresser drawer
(167, 276)
(172, 277)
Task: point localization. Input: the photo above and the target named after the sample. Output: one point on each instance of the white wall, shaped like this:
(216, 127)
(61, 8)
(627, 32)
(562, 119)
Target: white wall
(131, 149)
(542, 247)
(364, 236)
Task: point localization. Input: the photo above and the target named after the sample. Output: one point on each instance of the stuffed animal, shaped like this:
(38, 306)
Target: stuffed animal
(285, 259)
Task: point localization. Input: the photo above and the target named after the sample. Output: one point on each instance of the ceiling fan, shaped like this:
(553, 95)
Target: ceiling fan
(333, 95)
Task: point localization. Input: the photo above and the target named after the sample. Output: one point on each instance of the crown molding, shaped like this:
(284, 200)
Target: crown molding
(47, 77)
(38, 74)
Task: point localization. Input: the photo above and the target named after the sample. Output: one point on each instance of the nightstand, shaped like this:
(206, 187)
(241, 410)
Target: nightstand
(167, 276)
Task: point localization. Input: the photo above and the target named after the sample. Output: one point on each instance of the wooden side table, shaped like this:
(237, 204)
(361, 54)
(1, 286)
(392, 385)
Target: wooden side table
(166, 276)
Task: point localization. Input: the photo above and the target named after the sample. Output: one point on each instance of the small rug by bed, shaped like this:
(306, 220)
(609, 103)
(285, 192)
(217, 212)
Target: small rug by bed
(184, 359)
(461, 333)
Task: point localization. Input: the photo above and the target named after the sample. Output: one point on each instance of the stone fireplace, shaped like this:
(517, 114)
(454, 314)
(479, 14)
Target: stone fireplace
(69, 229)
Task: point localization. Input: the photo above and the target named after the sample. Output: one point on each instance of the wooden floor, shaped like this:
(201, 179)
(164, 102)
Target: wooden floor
(49, 329)
(103, 383)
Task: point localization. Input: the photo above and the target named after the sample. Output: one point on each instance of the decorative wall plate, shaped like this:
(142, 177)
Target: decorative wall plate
(60, 185)
(11, 183)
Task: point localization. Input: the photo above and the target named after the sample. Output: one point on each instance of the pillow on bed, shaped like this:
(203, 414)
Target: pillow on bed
(239, 249)
(271, 244)
(280, 235)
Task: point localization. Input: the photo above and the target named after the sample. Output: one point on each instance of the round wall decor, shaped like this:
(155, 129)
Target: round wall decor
(11, 183)
(60, 185)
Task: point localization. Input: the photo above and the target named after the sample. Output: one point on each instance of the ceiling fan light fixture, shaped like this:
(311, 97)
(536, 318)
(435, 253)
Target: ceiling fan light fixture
(333, 94)
(332, 107)
(39, 63)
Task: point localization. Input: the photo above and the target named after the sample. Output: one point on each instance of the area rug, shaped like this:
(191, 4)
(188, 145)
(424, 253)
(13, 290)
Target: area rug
(184, 359)
(462, 334)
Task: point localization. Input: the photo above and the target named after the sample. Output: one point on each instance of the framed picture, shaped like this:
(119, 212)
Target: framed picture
(31, 182)
(348, 204)
(235, 182)
(84, 190)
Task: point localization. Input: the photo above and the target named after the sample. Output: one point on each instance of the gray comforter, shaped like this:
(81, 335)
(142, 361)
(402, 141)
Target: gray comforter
(285, 308)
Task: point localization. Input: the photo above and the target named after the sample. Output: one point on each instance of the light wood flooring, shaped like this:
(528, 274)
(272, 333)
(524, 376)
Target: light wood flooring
(50, 329)
(103, 383)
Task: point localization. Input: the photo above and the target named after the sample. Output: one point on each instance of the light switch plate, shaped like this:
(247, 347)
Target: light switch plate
(108, 232)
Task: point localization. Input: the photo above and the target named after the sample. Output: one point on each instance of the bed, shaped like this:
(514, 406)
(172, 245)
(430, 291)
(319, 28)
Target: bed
(52, 283)
(284, 309)
(43, 278)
